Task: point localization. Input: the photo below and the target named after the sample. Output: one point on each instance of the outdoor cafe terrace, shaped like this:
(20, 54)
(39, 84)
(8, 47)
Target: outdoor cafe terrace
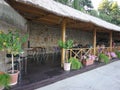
(43, 63)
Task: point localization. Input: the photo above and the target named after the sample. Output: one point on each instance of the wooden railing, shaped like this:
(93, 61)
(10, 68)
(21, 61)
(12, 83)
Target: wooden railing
(79, 52)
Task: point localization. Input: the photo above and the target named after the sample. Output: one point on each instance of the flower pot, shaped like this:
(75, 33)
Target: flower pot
(88, 62)
(113, 55)
(101, 60)
(1, 72)
(13, 77)
(1, 87)
(67, 66)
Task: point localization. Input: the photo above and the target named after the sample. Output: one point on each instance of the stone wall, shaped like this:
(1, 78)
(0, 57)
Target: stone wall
(80, 36)
(13, 19)
(8, 14)
(42, 35)
(5, 27)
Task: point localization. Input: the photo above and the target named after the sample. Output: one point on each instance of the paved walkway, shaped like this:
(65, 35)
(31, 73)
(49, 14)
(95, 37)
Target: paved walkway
(103, 78)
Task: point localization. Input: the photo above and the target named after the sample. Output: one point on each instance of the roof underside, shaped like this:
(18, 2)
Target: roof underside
(53, 13)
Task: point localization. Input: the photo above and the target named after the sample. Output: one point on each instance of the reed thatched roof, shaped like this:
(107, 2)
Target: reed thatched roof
(51, 12)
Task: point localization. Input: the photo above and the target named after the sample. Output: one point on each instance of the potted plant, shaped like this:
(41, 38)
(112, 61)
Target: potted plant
(108, 54)
(4, 80)
(67, 65)
(11, 42)
(118, 54)
(113, 55)
(75, 63)
(103, 58)
(88, 59)
(66, 45)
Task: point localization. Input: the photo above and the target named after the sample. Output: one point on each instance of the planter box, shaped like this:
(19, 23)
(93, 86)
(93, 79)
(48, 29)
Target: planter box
(87, 62)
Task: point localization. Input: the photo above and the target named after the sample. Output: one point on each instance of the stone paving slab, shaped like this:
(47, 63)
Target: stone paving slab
(103, 78)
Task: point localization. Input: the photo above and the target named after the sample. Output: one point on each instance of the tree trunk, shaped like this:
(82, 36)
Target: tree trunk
(12, 64)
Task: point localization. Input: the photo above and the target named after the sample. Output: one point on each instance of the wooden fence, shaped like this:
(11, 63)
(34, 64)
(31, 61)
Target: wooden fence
(79, 52)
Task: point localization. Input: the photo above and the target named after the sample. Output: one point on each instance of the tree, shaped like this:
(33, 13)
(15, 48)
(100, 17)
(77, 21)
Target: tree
(104, 7)
(81, 4)
(63, 1)
(109, 11)
(12, 43)
(115, 16)
(78, 4)
(114, 6)
(93, 13)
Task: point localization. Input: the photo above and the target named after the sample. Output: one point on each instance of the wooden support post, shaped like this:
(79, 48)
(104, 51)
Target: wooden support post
(63, 39)
(111, 41)
(25, 45)
(94, 42)
(28, 30)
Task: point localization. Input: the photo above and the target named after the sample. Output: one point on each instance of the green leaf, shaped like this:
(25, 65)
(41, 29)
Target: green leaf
(104, 58)
(75, 63)
(66, 45)
(4, 80)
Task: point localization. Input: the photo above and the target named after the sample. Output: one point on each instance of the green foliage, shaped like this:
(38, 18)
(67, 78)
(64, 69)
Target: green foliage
(104, 58)
(114, 6)
(79, 4)
(2, 40)
(76, 4)
(12, 41)
(66, 45)
(104, 6)
(63, 1)
(93, 13)
(109, 11)
(4, 80)
(75, 63)
(105, 17)
(118, 54)
(115, 14)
